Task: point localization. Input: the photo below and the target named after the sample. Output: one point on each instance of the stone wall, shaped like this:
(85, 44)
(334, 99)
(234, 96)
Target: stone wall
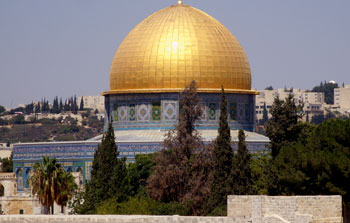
(9, 182)
(12, 205)
(271, 209)
(110, 218)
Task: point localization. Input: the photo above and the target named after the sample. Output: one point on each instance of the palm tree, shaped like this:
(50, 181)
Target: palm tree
(66, 188)
(51, 183)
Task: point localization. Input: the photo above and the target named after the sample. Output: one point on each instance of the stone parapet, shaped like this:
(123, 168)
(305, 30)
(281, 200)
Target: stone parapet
(273, 209)
(111, 218)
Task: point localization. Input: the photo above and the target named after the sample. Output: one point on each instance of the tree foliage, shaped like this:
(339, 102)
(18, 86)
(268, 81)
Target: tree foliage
(181, 172)
(51, 183)
(241, 171)
(328, 90)
(318, 165)
(284, 126)
(108, 177)
(222, 160)
(7, 164)
(2, 109)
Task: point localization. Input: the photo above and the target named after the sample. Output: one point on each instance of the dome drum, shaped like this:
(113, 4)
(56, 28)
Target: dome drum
(160, 111)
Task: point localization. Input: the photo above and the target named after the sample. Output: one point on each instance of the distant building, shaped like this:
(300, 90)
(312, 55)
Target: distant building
(93, 102)
(313, 101)
(5, 150)
(342, 98)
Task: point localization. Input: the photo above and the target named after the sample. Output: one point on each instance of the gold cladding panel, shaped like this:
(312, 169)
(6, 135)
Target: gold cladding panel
(174, 46)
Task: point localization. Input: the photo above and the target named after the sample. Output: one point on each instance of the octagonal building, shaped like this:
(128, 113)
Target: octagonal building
(161, 56)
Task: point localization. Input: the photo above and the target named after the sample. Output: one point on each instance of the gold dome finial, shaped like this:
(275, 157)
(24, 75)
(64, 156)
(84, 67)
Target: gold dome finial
(179, 2)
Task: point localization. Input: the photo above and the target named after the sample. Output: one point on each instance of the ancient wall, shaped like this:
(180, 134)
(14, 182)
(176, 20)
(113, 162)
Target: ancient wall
(271, 209)
(8, 181)
(13, 205)
(114, 218)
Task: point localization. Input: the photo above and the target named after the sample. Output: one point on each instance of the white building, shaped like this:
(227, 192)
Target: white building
(342, 98)
(313, 101)
(93, 102)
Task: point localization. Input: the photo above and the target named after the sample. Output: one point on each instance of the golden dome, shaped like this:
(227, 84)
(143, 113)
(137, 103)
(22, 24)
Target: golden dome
(174, 46)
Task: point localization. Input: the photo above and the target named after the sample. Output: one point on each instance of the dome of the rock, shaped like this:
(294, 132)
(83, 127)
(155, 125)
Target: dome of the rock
(174, 46)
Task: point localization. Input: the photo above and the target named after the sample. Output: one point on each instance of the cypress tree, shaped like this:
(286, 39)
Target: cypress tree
(265, 115)
(61, 106)
(222, 155)
(81, 103)
(241, 172)
(108, 176)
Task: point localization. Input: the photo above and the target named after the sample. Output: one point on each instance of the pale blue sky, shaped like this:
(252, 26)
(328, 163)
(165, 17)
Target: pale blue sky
(65, 47)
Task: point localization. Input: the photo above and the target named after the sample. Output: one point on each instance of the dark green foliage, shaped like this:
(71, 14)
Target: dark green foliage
(260, 165)
(265, 117)
(2, 109)
(318, 165)
(17, 120)
(182, 171)
(284, 127)
(29, 108)
(37, 108)
(241, 172)
(139, 171)
(222, 155)
(7, 164)
(81, 108)
(142, 206)
(108, 176)
(270, 88)
(328, 90)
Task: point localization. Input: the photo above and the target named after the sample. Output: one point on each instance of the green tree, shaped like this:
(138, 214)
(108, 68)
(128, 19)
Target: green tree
(2, 109)
(81, 104)
(47, 183)
(17, 120)
(108, 176)
(270, 88)
(139, 171)
(66, 188)
(182, 169)
(265, 117)
(7, 164)
(241, 171)
(223, 156)
(318, 165)
(284, 126)
(328, 90)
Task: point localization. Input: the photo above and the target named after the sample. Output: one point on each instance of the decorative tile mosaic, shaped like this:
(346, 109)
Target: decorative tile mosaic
(156, 112)
(122, 113)
(170, 111)
(212, 111)
(247, 113)
(241, 112)
(132, 112)
(233, 111)
(143, 113)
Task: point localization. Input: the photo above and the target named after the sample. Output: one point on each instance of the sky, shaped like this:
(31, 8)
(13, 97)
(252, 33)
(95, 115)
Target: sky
(65, 47)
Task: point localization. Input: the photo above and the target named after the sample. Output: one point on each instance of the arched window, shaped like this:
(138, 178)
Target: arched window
(69, 169)
(2, 191)
(26, 177)
(19, 174)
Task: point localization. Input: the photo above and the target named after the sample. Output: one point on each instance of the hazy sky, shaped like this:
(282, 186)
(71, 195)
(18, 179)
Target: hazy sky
(65, 47)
